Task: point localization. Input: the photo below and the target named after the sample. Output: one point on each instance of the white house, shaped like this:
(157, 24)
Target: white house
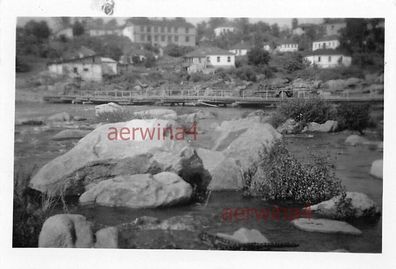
(208, 60)
(84, 63)
(287, 46)
(328, 58)
(223, 30)
(328, 42)
(267, 47)
(240, 49)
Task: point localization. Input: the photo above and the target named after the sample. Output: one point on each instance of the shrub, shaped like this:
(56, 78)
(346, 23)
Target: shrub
(279, 176)
(353, 116)
(246, 73)
(294, 62)
(177, 51)
(306, 110)
(149, 61)
(116, 116)
(258, 56)
(197, 77)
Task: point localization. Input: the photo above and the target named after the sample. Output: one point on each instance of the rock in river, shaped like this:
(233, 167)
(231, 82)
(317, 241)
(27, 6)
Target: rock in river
(139, 191)
(66, 231)
(97, 157)
(376, 169)
(355, 140)
(244, 235)
(107, 108)
(325, 226)
(163, 114)
(63, 116)
(327, 127)
(358, 205)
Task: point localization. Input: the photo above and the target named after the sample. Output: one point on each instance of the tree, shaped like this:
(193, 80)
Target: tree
(78, 28)
(40, 30)
(112, 23)
(258, 56)
(275, 30)
(294, 23)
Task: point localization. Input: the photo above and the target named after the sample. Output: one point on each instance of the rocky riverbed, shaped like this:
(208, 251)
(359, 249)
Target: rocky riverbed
(40, 141)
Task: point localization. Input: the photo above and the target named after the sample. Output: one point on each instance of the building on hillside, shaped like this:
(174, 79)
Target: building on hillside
(328, 42)
(221, 30)
(267, 47)
(65, 32)
(328, 58)
(160, 32)
(287, 46)
(85, 64)
(207, 60)
(241, 49)
(333, 26)
(105, 29)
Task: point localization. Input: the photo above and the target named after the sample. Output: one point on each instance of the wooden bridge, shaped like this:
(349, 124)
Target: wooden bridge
(189, 97)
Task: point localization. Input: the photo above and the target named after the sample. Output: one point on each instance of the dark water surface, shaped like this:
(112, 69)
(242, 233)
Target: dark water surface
(352, 165)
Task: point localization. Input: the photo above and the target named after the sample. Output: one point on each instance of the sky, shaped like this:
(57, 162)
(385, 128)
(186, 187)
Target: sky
(282, 22)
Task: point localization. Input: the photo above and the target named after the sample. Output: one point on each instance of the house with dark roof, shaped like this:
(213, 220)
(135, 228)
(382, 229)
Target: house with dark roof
(208, 59)
(241, 48)
(287, 46)
(83, 63)
(327, 42)
(105, 29)
(160, 32)
(328, 58)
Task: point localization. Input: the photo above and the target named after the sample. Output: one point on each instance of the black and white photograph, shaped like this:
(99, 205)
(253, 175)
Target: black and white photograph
(217, 134)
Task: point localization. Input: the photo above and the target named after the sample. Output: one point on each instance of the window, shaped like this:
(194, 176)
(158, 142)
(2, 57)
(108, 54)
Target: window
(176, 38)
(169, 39)
(186, 30)
(149, 38)
(218, 59)
(142, 37)
(163, 38)
(175, 29)
(318, 58)
(141, 28)
(86, 69)
(148, 29)
(155, 38)
(75, 70)
(155, 29)
(208, 59)
(229, 59)
(329, 58)
(169, 29)
(162, 29)
(187, 39)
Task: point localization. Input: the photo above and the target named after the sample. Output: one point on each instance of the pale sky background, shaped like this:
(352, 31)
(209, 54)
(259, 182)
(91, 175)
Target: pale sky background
(282, 22)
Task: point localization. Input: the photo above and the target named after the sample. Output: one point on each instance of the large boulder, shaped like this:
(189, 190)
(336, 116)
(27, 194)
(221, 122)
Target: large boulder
(70, 134)
(355, 140)
(327, 127)
(242, 140)
(107, 108)
(105, 153)
(325, 226)
(376, 169)
(225, 172)
(107, 238)
(163, 114)
(139, 191)
(66, 231)
(353, 205)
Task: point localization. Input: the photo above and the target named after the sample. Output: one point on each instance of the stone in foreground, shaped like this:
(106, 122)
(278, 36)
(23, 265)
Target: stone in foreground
(107, 108)
(107, 238)
(325, 226)
(355, 140)
(244, 235)
(70, 134)
(376, 169)
(139, 191)
(163, 114)
(66, 231)
(360, 206)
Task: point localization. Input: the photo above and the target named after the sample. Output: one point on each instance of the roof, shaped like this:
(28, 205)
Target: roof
(335, 21)
(82, 52)
(105, 27)
(203, 52)
(327, 52)
(225, 25)
(327, 38)
(241, 45)
(155, 22)
(107, 60)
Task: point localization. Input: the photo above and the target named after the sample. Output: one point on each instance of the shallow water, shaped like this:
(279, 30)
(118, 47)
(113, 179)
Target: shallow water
(352, 165)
